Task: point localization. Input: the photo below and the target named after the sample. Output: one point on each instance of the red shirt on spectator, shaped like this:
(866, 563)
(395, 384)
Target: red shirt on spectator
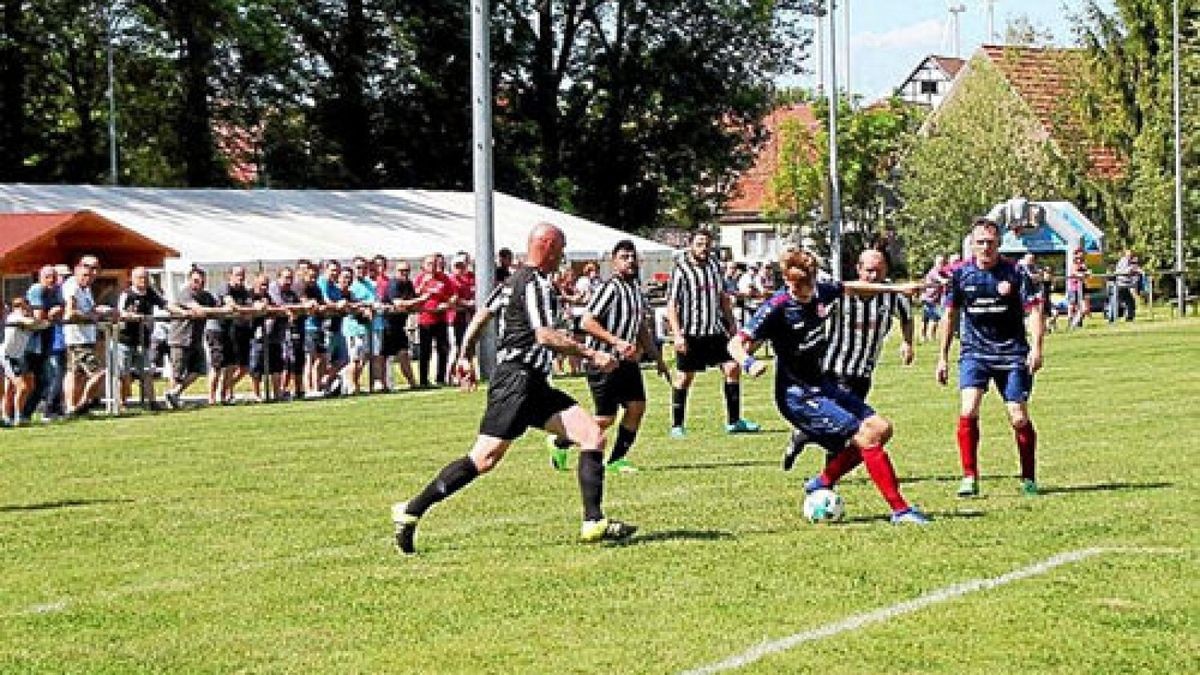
(464, 291)
(441, 292)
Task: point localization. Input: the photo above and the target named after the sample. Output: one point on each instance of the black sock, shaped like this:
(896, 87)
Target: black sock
(562, 442)
(591, 483)
(733, 402)
(453, 477)
(678, 406)
(625, 438)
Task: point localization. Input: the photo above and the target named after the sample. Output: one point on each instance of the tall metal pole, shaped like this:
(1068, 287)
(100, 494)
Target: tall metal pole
(835, 190)
(1180, 281)
(481, 113)
(109, 21)
(846, 46)
(820, 52)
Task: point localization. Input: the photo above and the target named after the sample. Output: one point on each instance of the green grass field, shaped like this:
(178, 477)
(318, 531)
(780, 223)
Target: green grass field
(258, 538)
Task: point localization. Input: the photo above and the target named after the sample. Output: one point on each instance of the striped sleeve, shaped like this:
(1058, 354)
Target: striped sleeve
(538, 304)
(495, 301)
(675, 289)
(602, 299)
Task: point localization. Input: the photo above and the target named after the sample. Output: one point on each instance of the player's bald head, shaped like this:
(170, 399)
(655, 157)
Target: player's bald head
(546, 244)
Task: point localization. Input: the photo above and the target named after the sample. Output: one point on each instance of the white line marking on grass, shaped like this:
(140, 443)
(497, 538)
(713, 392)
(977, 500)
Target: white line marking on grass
(907, 607)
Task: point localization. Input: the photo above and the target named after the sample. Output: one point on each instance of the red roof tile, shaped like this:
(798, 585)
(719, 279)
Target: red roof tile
(1043, 78)
(18, 229)
(750, 192)
(950, 64)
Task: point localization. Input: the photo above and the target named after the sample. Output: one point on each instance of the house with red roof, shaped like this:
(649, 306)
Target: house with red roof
(744, 228)
(928, 83)
(1040, 79)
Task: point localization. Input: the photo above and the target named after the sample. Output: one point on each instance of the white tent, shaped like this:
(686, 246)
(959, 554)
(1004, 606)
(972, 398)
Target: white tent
(269, 228)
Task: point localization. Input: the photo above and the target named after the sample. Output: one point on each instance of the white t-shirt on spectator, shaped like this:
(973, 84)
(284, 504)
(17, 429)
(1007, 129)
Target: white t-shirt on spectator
(16, 339)
(79, 333)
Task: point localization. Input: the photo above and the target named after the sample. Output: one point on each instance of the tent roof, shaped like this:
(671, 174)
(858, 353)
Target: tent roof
(31, 239)
(220, 226)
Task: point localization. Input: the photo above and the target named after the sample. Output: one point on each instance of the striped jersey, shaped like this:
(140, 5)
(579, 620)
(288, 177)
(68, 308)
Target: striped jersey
(695, 290)
(525, 302)
(621, 307)
(857, 327)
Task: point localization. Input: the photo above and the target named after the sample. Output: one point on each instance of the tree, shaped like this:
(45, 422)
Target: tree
(1128, 96)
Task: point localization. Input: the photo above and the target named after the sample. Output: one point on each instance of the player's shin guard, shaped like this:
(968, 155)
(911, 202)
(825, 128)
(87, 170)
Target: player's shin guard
(841, 464)
(733, 402)
(968, 445)
(625, 438)
(591, 483)
(883, 474)
(678, 406)
(1026, 437)
(453, 477)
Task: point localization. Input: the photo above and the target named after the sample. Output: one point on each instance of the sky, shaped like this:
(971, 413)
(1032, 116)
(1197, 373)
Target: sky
(889, 38)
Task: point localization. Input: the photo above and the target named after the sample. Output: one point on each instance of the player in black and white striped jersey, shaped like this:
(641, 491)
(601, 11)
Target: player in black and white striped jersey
(701, 318)
(616, 321)
(856, 332)
(520, 395)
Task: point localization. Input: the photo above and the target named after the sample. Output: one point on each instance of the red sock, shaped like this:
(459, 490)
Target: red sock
(1026, 447)
(841, 464)
(968, 445)
(880, 468)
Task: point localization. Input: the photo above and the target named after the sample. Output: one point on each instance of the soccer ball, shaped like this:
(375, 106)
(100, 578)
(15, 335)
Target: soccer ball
(823, 506)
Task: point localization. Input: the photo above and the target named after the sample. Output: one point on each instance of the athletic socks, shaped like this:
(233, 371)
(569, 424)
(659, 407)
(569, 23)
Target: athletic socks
(453, 477)
(968, 445)
(625, 438)
(883, 474)
(1026, 437)
(591, 483)
(840, 464)
(733, 402)
(678, 406)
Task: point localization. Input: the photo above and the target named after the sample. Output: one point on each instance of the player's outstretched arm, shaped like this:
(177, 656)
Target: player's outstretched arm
(866, 289)
(561, 343)
(1037, 324)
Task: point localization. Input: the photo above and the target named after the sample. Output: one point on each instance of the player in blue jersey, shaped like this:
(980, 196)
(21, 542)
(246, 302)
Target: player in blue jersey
(992, 297)
(840, 421)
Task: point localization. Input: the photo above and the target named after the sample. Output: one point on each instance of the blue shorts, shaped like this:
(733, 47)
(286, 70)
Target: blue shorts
(1013, 379)
(827, 414)
(931, 311)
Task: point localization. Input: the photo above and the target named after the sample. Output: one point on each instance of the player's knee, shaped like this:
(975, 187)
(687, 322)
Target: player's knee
(1019, 419)
(878, 430)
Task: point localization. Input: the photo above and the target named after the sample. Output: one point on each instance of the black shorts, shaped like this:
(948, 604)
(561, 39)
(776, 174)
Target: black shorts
(219, 351)
(186, 361)
(395, 340)
(314, 343)
(621, 387)
(240, 338)
(519, 398)
(293, 354)
(274, 358)
(702, 352)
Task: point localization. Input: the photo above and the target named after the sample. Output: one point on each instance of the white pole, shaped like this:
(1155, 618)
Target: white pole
(820, 51)
(846, 46)
(109, 21)
(835, 193)
(1180, 281)
(481, 109)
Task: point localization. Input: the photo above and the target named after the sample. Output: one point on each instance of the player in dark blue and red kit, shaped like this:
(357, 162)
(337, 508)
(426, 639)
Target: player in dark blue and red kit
(840, 421)
(993, 297)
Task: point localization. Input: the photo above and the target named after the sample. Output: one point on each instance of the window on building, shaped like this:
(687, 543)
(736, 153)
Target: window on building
(760, 244)
(929, 87)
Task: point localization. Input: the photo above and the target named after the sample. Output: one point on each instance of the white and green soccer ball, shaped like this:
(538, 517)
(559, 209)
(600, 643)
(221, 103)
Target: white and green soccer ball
(823, 506)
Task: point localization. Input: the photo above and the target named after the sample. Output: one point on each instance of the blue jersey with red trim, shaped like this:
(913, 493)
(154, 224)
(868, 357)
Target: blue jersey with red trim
(992, 303)
(796, 331)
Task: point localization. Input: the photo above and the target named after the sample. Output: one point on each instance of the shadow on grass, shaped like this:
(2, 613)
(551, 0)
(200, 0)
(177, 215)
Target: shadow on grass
(676, 535)
(933, 515)
(60, 504)
(1102, 487)
(704, 466)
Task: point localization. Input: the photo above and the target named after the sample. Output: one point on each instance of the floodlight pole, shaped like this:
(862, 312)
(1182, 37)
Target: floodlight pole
(109, 27)
(835, 190)
(481, 113)
(1180, 281)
